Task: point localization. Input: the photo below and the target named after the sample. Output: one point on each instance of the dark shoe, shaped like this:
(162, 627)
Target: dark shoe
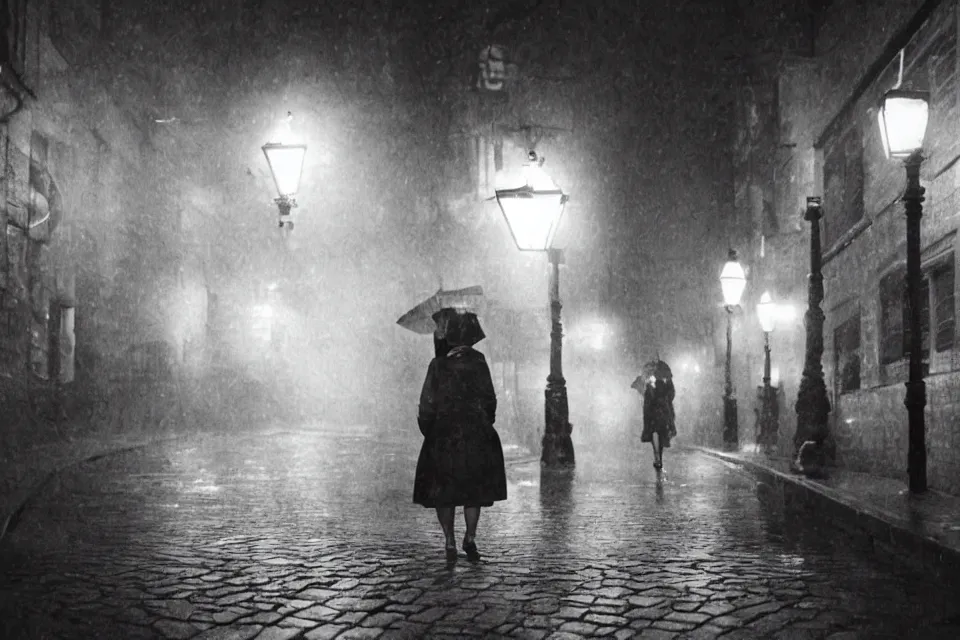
(451, 555)
(470, 548)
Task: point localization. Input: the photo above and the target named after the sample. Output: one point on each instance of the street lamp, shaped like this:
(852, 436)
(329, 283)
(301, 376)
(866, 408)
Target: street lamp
(533, 211)
(286, 167)
(903, 119)
(769, 409)
(812, 404)
(732, 283)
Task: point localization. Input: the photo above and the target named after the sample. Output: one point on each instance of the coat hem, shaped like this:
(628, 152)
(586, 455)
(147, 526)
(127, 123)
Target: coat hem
(434, 505)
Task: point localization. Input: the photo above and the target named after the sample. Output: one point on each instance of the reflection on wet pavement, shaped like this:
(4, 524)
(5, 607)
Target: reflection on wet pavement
(302, 534)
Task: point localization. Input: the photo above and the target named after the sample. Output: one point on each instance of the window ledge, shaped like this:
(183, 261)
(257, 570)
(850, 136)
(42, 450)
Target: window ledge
(897, 372)
(846, 239)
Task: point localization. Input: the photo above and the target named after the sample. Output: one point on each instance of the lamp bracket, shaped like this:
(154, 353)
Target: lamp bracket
(286, 203)
(814, 209)
(533, 133)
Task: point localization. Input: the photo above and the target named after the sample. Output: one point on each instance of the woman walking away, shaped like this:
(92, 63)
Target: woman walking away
(659, 423)
(461, 460)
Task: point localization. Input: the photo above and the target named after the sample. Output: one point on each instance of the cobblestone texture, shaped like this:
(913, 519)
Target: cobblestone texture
(310, 536)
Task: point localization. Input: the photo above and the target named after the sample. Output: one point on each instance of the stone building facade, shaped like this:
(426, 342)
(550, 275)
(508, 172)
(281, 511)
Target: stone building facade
(822, 139)
(84, 306)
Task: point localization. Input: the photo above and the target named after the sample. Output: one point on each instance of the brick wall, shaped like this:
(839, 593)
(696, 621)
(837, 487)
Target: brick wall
(871, 424)
(78, 152)
(817, 100)
(871, 431)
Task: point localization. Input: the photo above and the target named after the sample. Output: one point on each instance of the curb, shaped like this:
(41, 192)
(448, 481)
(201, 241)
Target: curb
(888, 541)
(9, 521)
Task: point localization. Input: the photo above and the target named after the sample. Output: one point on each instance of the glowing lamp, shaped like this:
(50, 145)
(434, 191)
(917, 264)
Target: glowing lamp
(767, 312)
(286, 166)
(533, 209)
(903, 119)
(732, 280)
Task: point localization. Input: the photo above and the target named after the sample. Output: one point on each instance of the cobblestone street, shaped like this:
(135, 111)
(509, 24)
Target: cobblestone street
(310, 535)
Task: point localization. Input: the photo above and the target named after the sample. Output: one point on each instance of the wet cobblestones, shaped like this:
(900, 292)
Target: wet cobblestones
(305, 536)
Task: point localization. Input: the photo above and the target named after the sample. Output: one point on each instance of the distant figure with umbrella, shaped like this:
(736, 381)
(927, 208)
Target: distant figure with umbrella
(655, 384)
(461, 459)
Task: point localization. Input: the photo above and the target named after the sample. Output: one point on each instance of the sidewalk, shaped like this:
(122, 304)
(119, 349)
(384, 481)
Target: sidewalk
(922, 531)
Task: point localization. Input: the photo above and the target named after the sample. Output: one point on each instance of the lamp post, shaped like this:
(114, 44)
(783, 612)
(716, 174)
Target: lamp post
(533, 211)
(769, 410)
(903, 119)
(812, 404)
(286, 167)
(732, 283)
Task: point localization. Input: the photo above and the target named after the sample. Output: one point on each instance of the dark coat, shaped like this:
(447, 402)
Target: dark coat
(658, 416)
(461, 460)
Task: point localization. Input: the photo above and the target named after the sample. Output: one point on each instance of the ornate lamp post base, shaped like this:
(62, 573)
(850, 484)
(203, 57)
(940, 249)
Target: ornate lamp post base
(769, 420)
(731, 436)
(557, 445)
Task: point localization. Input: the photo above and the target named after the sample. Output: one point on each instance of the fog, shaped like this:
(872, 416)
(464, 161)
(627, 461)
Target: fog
(395, 204)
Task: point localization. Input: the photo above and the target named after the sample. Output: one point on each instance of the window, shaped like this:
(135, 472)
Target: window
(895, 317)
(924, 320)
(13, 33)
(944, 316)
(846, 349)
(891, 317)
(937, 312)
(843, 182)
(73, 26)
(464, 161)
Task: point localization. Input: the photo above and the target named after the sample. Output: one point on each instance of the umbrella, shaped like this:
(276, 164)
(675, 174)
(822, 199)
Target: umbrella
(653, 369)
(420, 318)
(657, 368)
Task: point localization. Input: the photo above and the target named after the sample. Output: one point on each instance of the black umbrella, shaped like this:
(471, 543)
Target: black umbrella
(655, 369)
(658, 369)
(420, 318)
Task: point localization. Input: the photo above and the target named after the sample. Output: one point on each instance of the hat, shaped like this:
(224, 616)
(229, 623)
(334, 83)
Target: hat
(458, 327)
